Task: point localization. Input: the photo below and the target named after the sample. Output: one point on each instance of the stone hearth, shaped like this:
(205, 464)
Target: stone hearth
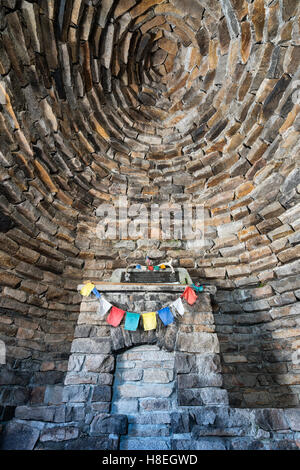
(160, 389)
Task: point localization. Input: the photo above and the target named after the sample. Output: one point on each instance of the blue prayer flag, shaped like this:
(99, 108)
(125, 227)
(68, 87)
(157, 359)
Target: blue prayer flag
(96, 293)
(166, 316)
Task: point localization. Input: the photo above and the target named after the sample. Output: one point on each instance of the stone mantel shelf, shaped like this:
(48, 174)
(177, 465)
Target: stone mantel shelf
(128, 287)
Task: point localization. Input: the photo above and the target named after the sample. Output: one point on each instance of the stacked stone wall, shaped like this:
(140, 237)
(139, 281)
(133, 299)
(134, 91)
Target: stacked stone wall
(159, 101)
(165, 394)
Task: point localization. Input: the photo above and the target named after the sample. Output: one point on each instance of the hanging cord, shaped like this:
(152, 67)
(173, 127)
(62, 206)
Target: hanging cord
(197, 288)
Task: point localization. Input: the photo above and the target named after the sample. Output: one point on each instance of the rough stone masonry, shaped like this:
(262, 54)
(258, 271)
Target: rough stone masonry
(161, 101)
(156, 390)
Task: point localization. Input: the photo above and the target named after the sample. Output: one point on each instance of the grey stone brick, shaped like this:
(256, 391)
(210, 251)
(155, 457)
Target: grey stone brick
(142, 391)
(271, 419)
(190, 398)
(19, 436)
(180, 422)
(154, 404)
(125, 406)
(102, 393)
(58, 434)
(144, 443)
(293, 418)
(91, 346)
(210, 443)
(185, 363)
(197, 342)
(109, 424)
(38, 413)
(199, 381)
(214, 396)
(130, 375)
(160, 376)
(99, 363)
(76, 393)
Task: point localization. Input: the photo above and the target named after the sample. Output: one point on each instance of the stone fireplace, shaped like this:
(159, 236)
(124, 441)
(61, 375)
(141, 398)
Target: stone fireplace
(155, 390)
(132, 382)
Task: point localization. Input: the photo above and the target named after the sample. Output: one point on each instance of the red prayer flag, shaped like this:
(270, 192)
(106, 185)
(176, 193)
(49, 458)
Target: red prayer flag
(115, 316)
(190, 296)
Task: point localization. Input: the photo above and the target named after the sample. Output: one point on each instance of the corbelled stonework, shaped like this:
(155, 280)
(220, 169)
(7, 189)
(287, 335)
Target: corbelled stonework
(180, 101)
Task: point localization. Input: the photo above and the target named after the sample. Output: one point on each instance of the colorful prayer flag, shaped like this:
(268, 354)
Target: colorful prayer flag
(104, 307)
(132, 321)
(166, 316)
(178, 306)
(96, 293)
(87, 289)
(190, 296)
(198, 288)
(149, 321)
(115, 316)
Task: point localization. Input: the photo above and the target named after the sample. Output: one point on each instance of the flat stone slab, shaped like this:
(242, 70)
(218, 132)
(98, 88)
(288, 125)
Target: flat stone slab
(198, 342)
(145, 443)
(19, 436)
(141, 391)
(128, 287)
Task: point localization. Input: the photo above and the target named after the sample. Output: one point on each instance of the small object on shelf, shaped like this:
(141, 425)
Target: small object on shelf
(197, 288)
(156, 268)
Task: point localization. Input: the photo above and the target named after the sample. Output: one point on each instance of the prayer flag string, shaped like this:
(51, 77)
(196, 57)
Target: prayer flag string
(167, 314)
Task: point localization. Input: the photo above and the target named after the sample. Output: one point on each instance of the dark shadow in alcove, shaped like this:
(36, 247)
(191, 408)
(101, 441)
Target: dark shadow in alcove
(5, 222)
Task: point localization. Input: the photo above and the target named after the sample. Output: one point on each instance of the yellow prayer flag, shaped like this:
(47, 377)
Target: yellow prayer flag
(149, 321)
(87, 289)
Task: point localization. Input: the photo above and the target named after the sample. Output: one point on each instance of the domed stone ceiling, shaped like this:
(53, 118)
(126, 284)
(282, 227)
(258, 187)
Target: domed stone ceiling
(147, 89)
(162, 101)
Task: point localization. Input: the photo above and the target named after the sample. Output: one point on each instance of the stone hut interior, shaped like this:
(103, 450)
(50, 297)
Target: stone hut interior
(159, 103)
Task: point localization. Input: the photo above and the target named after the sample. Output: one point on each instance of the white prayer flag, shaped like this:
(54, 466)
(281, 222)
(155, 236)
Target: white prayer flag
(178, 305)
(104, 307)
